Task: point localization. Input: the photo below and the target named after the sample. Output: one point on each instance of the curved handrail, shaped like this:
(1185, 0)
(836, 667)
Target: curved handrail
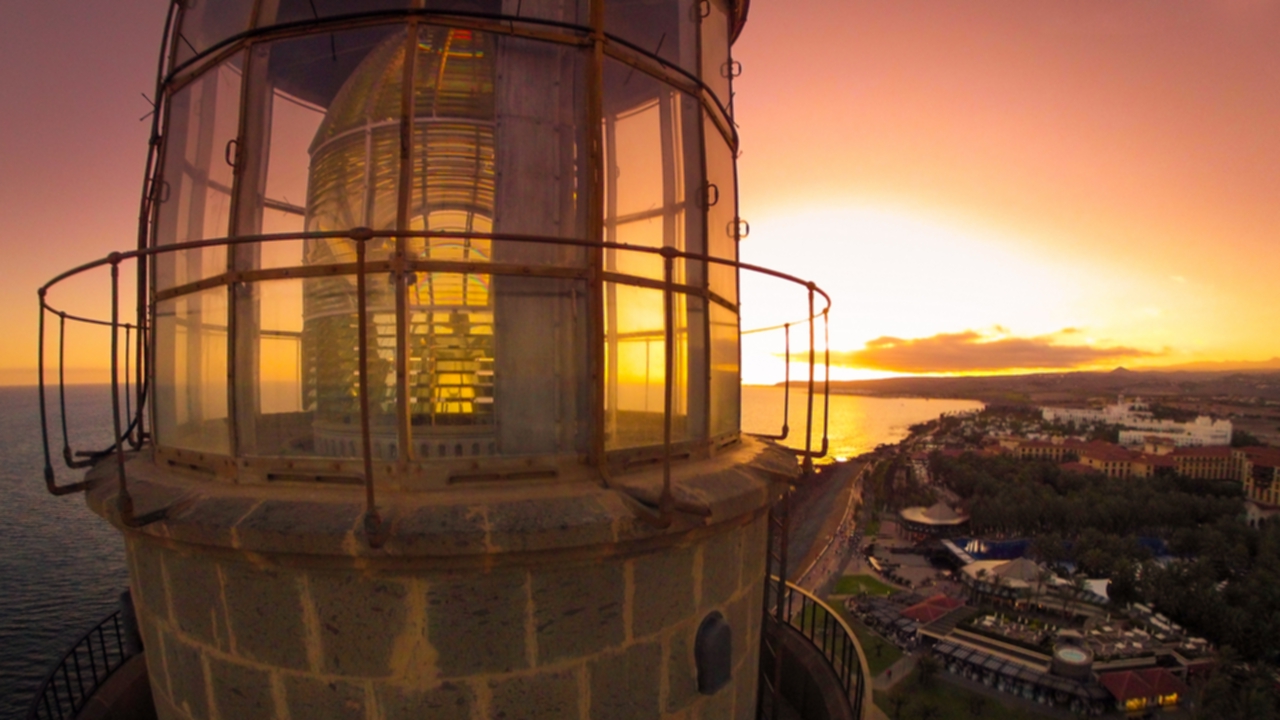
(67, 686)
(835, 640)
(361, 237)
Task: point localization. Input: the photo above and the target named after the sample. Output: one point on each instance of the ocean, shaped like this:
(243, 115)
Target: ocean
(62, 569)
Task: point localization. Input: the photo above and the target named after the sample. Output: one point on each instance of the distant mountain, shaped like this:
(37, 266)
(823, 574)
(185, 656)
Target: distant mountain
(1227, 384)
(1272, 365)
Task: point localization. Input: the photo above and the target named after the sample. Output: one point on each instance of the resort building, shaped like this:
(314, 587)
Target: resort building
(1205, 463)
(1258, 469)
(936, 521)
(1138, 424)
(1056, 449)
(1115, 461)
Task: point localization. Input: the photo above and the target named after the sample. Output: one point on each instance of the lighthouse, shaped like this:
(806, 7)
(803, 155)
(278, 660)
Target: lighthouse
(437, 349)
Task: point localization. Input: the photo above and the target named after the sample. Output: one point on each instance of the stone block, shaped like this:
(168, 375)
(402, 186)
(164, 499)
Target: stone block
(755, 613)
(663, 590)
(360, 618)
(745, 678)
(721, 567)
(186, 678)
(540, 696)
(318, 528)
(438, 529)
(550, 523)
(166, 710)
(736, 614)
(153, 644)
(682, 673)
(755, 550)
(240, 691)
(147, 571)
(195, 596)
(625, 685)
(477, 622)
(578, 610)
(719, 706)
(447, 701)
(314, 698)
(210, 520)
(265, 619)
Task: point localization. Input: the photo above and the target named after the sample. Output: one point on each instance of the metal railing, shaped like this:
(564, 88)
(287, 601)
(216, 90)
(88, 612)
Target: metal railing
(82, 670)
(826, 630)
(137, 355)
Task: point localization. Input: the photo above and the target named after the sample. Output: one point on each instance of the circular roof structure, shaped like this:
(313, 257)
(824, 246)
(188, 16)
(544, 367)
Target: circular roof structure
(940, 514)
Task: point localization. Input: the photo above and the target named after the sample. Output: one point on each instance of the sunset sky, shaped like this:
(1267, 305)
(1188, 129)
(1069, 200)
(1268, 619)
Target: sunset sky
(981, 185)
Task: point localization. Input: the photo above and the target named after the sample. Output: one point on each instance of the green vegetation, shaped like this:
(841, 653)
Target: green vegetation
(859, 584)
(918, 697)
(881, 653)
(1222, 585)
(1012, 497)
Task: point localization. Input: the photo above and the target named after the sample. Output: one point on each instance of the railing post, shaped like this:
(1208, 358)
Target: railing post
(50, 480)
(666, 503)
(786, 383)
(826, 381)
(124, 502)
(808, 429)
(62, 387)
(375, 531)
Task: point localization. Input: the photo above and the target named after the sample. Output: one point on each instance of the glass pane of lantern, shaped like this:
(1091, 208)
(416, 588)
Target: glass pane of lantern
(275, 413)
(635, 368)
(538, 95)
(308, 170)
(277, 12)
(451, 329)
(567, 11)
(195, 197)
(726, 390)
(722, 216)
(205, 23)
(191, 372)
(652, 173)
(665, 28)
(715, 50)
(322, 154)
(330, 370)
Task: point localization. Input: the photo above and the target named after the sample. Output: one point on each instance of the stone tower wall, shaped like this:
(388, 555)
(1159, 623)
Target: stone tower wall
(234, 636)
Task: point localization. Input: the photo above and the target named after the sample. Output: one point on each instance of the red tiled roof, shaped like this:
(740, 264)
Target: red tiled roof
(1126, 685)
(1156, 460)
(1265, 456)
(1163, 682)
(1209, 451)
(1076, 467)
(1148, 683)
(931, 609)
(1105, 451)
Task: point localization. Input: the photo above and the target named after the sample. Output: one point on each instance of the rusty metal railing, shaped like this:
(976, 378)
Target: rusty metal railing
(135, 435)
(828, 632)
(82, 669)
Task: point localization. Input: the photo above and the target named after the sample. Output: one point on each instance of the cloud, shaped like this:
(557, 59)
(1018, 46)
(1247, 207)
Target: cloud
(970, 351)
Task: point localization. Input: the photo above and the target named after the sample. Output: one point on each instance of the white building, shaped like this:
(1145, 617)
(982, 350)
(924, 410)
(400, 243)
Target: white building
(1138, 424)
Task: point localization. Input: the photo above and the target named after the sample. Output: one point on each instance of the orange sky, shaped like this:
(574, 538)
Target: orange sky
(981, 185)
(956, 172)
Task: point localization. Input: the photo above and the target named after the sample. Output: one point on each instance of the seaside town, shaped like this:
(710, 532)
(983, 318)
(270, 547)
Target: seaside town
(1115, 560)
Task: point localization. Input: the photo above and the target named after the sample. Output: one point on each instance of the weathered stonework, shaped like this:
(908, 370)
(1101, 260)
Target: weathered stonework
(552, 601)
